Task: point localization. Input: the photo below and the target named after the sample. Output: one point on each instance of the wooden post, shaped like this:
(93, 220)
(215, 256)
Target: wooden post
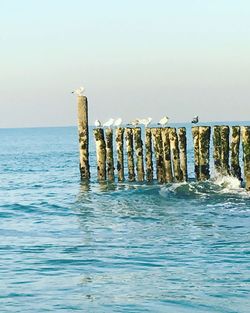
(100, 153)
(175, 153)
(149, 162)
(246, 154)
(195, 134)
(235, 147)
(120, 156)
(139, 153)
(109, 153)
(83, 131)
(183, 152)
(217, 148)
(130, 153)
(225, 150)
(158, 149)
(204, 146)
(167, 154)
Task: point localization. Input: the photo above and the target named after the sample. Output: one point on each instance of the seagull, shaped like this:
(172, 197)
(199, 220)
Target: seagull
(79, 92)
(135, 122)
(98, 123)
(195, 119)
(118, 122)
(163, 121)
(109, 123)
(145, 121)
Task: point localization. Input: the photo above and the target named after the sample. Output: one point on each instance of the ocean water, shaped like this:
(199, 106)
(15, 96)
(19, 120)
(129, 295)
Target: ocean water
(72, 247)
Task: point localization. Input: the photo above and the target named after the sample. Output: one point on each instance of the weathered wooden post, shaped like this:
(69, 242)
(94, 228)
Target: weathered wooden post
(139, 153)
(175, 154)
(130, 153)
(195, 134)
(235, 147)
(120, 155)
(148, 159)
(100, 153)
(109, 154)
(183, 152)
(167, 154)
(158, 149)
(83, 131)
(225, 150)
(217, 148)
(204, 147)
(246, 154)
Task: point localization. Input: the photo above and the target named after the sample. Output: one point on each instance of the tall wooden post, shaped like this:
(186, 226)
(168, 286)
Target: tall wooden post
(217, 148)
(109, 153)
(139, 153)
(148, 148)
(195, 134)
(83, 132)
(183, 152)
(100, 153)
(130, 153)
(204, 146)
(167, 154)
(225, 150)
(246, 154)
(158, 150)
(174, 145)
(120, 155)
(235, 147)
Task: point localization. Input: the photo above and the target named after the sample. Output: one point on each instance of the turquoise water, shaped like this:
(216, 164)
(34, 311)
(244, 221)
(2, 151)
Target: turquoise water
(68, 247)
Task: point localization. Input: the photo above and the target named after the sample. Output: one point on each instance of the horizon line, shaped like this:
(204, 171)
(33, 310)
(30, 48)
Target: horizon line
(67, 126)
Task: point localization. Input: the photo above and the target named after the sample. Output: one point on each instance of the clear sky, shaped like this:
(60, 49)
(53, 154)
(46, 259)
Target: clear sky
(136, 58)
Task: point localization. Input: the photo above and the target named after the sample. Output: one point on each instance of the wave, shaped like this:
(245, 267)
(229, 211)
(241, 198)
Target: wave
(219, 185)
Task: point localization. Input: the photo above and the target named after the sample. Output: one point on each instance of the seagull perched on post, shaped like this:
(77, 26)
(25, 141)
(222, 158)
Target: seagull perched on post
(118, 122)
(163, 121)
(135, 122)
(109, 123)
(98, 123)
(195, 119)
(79, 92)
(145, 121)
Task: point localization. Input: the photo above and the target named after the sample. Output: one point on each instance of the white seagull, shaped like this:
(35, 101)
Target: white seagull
(118, 122)
(195, 119)
(98, 123)
(135, 122)
(163, 121)
(79, 92)
(145, 121)
(109, 123)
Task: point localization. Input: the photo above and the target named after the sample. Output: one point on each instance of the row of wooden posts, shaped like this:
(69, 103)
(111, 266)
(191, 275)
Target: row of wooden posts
(169, 147)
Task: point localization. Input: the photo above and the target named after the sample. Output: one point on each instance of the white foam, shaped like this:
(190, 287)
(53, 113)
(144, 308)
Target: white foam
(228, 182)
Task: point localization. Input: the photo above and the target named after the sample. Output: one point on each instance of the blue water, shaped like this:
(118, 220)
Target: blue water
(71, 247)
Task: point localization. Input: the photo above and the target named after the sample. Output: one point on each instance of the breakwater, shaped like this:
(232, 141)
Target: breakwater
(161, 152)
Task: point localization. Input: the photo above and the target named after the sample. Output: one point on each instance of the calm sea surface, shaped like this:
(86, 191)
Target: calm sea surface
(68, 247)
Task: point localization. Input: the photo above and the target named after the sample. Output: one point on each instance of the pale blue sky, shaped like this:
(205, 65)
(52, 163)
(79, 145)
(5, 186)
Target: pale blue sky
(135, 58)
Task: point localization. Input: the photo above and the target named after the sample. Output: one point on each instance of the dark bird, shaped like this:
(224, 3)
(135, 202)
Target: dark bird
(195, 120)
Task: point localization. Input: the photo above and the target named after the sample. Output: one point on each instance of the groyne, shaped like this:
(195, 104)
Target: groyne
(161, 152)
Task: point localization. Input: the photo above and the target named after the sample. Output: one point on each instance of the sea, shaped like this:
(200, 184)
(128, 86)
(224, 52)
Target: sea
(67, 246)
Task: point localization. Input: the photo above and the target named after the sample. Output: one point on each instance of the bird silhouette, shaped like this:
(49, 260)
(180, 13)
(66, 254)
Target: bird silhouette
(145, 121)
(109, 123)
(118, 122)
(163, 121)
(135, 122)
(195, 119)
(98, 123)
(79, 92)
